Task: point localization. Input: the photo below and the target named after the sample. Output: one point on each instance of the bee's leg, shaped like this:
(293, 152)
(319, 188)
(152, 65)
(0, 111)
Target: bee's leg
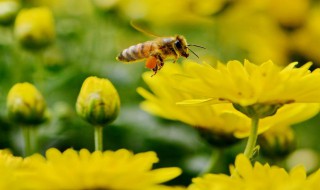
(176, 56)
(155, 70)
(161, 63)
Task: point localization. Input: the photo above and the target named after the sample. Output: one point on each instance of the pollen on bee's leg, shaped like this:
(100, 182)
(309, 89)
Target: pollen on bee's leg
(151, 62)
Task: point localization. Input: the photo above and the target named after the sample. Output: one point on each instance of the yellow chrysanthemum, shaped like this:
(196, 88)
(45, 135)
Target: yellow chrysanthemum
(112, 170)
(220, 119)
(253, 177)
(247, 84)
(9, 165)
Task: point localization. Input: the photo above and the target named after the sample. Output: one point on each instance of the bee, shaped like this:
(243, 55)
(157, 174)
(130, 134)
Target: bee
(157, 50)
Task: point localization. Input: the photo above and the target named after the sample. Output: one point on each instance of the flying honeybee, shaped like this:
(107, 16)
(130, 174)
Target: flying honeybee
(156, 51)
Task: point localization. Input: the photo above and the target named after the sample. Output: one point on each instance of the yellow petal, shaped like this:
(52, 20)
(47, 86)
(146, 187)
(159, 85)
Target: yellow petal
(243, 166)
(197, 102)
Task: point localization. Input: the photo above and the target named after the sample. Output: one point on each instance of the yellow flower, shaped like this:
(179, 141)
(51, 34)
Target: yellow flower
(248, 83)
(256, 177)
(9, 167)
(34, 28)
(218, 120)
(253, 89)
(25, 104)
(258, 91)
(112, 170)
(98, 101)
(260, 176)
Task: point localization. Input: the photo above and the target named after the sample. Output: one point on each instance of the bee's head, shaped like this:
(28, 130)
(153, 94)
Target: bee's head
(181, 46)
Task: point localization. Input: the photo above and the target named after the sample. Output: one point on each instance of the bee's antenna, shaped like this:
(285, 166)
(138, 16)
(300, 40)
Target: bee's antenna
(194, 53)
(196, 46)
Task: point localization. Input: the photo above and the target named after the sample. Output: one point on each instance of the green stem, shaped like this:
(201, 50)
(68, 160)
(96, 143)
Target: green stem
(98, 135)
(27, 140)
(251, 143)
(34, 139)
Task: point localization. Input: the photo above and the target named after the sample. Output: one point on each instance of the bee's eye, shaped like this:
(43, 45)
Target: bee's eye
(178, 44)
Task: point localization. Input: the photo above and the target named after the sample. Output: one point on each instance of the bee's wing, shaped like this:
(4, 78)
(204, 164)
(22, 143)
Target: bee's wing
(135, 26)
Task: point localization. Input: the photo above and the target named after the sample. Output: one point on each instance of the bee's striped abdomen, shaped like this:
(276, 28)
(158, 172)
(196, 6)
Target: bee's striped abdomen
(137, 52)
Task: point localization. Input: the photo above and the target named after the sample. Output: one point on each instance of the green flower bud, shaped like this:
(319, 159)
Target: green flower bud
(25, 104)
(277, 142)
(8, 11)
(217, 139)
(98, 101)
(34, 28)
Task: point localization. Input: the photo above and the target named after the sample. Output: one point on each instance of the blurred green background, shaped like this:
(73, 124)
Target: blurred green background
(90, 34)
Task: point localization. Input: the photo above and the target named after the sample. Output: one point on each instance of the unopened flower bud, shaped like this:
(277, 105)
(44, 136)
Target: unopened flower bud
(98, 101)
(217, 139)
(34, 28)
(8, 11)
(25, 104)
(277, 142)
